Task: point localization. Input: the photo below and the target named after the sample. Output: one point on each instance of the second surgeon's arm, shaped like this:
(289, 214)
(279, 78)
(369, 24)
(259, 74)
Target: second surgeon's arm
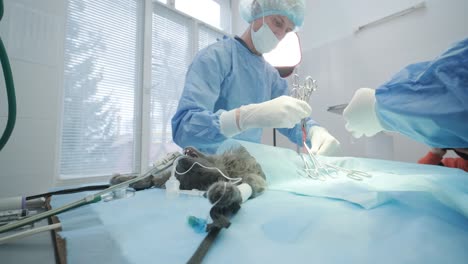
(428, 101)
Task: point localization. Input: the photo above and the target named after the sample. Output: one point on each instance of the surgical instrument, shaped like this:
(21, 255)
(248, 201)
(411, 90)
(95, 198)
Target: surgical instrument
(320, 169)
(96, 197)
(312, 167)
(303, 91)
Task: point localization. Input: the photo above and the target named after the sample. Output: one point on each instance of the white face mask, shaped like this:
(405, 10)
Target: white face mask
(264, 39)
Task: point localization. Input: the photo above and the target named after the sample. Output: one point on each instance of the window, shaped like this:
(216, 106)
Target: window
(100, 121)
(172, 52)
(103, 102)
(213, 12)
(199, 10)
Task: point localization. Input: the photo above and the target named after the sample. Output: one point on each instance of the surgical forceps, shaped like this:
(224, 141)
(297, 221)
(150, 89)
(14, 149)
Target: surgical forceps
(303, 92)
(317, 170)
(312, 167)
(350, 173)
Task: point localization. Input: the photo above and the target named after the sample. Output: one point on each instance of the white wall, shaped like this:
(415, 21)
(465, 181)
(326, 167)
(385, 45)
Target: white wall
(238, 25)
(343, 61)
(32, 32)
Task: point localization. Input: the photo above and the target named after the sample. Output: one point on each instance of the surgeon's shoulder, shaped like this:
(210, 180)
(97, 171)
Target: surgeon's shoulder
(220, 49)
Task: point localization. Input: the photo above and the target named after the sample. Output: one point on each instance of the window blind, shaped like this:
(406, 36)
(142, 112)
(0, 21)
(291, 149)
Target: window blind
(102, 101)
(207, 36)
(172, 52)
(171, 55)
(99, 122)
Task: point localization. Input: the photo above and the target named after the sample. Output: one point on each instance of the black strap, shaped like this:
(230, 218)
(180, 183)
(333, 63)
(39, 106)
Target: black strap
(220, 218)
(202, 249)
(72, 190)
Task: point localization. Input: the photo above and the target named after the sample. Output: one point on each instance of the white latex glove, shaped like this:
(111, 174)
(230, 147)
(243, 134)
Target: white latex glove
(281, 112)
(361, 118)
(323, 143)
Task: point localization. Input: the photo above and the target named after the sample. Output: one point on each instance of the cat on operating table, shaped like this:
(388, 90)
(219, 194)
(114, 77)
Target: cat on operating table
(233, 163)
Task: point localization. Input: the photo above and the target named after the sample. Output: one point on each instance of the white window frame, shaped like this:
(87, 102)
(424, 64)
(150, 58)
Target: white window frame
(143, 92)
(226, 7)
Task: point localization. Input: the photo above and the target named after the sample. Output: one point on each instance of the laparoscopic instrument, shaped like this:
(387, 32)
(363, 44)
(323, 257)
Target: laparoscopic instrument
(95, 197)
(313, 168)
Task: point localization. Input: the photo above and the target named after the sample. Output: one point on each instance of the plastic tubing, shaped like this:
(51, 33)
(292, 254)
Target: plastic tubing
(92, 198)
(30, 232)
(10, 90)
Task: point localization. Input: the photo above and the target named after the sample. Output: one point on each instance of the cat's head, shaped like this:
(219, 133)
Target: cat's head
(193, 155)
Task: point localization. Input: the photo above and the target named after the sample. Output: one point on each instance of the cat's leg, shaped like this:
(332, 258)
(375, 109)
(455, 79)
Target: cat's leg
(224, 194)
(256, 182)
(139, 185)
(160, 180)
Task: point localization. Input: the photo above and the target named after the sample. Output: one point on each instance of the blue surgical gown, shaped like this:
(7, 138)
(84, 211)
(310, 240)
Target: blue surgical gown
(222, 77)
(428, 101)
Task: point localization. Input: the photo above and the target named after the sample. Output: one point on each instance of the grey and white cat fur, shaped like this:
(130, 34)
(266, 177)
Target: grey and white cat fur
(234, 163)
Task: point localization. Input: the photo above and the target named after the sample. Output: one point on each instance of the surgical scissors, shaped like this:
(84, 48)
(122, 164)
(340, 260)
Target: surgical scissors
(312, 167)
(350, 173)
(318, 170)
(304, 91)
(315, 169)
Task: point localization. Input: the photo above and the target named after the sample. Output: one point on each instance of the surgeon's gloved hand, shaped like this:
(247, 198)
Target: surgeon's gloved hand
(361, 118)
(323, 143)
(281, 112)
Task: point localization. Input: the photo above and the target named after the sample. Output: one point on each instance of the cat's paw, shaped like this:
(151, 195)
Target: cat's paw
(224, 194)
(117, 178)
(139, 185)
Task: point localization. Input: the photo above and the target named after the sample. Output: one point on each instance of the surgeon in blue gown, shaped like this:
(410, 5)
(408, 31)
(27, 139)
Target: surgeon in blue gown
(232, 92)
(426, 101)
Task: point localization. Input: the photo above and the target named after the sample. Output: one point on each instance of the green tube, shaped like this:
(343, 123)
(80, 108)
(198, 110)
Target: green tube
(10, 89)
(1, 9)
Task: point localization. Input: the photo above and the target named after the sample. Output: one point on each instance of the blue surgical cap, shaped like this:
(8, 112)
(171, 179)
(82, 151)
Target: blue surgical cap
(292, 9)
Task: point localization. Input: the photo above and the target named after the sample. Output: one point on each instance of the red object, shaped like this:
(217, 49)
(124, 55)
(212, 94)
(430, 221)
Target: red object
(304, 137)
(435, 159)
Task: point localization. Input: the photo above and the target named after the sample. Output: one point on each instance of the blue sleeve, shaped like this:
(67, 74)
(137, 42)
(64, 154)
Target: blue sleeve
(195, 123)
(428, 101)
(295, 134)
